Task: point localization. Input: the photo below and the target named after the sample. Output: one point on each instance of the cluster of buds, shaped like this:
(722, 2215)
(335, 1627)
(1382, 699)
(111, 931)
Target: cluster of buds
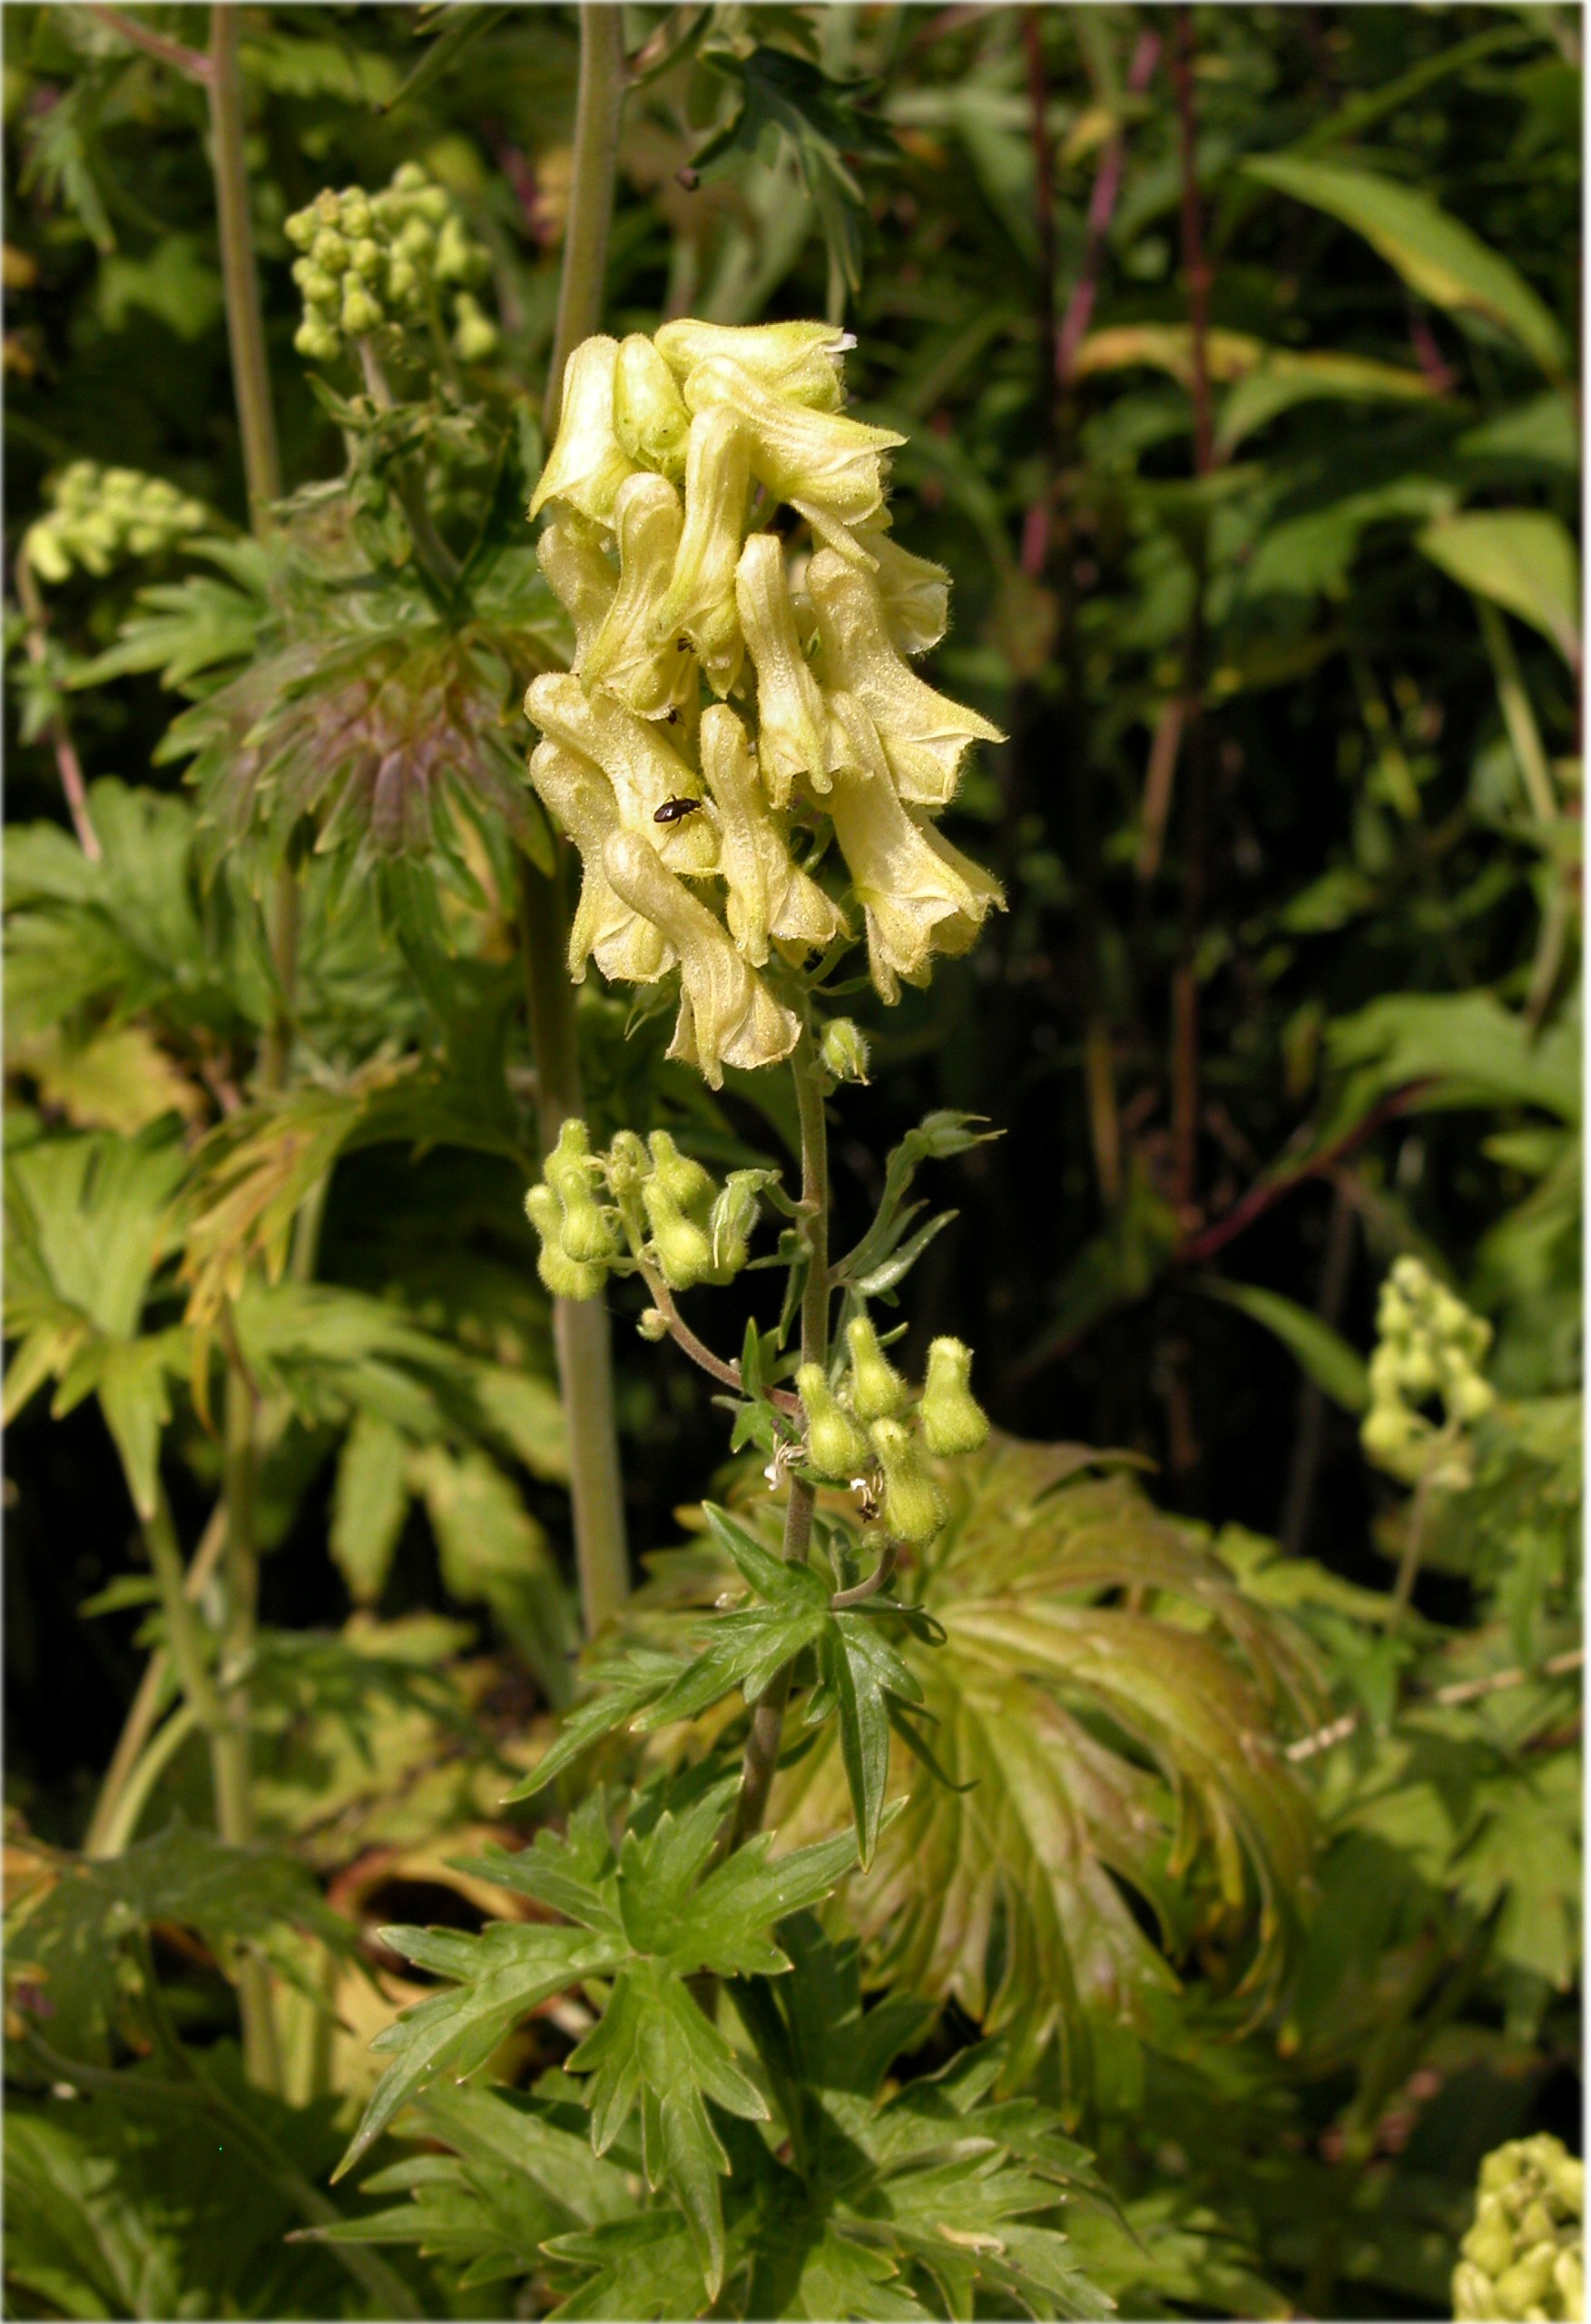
(867, 1425)
(1429, 1348)
(100, 515)
(388, 260)
(1525, 2256)
(641, 1207)
(732, 698)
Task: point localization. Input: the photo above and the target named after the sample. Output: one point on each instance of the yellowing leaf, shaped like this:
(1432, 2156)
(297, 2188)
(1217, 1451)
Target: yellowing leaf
(1522, 559)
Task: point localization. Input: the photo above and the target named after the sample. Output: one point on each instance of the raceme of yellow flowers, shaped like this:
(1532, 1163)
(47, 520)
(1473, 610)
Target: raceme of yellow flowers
(734, 700)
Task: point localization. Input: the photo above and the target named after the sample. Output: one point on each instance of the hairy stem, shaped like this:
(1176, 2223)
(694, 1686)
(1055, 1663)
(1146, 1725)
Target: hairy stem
(580, 1327)
(760, 1757)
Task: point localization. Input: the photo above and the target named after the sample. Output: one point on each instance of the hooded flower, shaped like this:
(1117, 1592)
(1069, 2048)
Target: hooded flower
(588, 463)
(798, 454)
(792, 721)
(924, 734)
(727, 1014)
(914, 592)
(701, 599)
(799, 361)
(624, 658)
(579, 575)
(642, 770)
(919, 894)
(605, 927)
(650, 418)
(768, 894)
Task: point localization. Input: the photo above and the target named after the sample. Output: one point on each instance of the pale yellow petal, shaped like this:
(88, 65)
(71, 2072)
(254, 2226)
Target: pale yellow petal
(650, 418)
(700, 600)
(769, 895)
(625, 658)
(645, 772)
(799, 361)
(587, 463)
(579, 574)
(605, 927)
(792, 722)
(798, 454)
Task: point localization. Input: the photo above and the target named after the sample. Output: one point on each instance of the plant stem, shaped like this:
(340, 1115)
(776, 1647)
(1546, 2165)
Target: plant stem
(68, 765)
(431, 551)
(598, 101)
(760, 1761)
(580, 1327)
(120, 1826)
(245, 324)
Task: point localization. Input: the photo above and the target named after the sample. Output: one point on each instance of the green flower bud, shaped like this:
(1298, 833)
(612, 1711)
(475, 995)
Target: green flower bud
(628, 1163)
(455, 259)
(650, 418)
(877, 1392)
(474, 335)
(365, 255)
(1519, 2288)
(415, 240)
(653, 1325)
(564, 1277)
(690, 1187)
(1469, 1398)
(844, 1050)
(358, 217)
(837, 1444)
(734, 1216)
(317, 342)
(410, 178)
(683, 1251)
(953, 1421)
(329, 251)
(914, 1508)
(432, 203)
(301, 229)
(403, 281)
(360, 313)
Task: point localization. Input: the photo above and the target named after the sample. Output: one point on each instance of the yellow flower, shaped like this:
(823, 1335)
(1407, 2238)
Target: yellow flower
(605, 927)
(579, 575)
(701, 599)
(644, 771)
(768, 894)
(915, 593)
(792, 722)
(650, 418)
(799, 454)
(727, 1014)
(588, 463)
(919, 894)
(799, 361)
(625, 657)
(924, 734)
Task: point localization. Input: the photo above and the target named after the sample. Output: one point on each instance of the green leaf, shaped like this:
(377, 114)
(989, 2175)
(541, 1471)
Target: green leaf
(1466, 1045)
(1522, 559)
(638, 2269)
(623, 1686)
(1335, 1367)
(369, 1503)
(70, 1930)
(504, 1973)
(492, 1548)
(866, 1675)
(1437, 257)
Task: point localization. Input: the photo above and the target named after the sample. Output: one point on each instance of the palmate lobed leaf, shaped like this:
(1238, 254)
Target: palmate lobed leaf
(1106, 1750)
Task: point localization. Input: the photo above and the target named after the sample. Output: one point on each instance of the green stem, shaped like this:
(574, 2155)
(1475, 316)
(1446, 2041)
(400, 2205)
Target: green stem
(262, 478)
(580, 1326)
(760, 1761)
(431, 551)
(146, 1704)
(598, 102)
(245, 324)
(120, 1826)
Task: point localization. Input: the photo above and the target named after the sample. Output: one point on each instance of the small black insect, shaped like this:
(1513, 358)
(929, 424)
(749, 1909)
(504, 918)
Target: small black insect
(675, 810)
(674, 715)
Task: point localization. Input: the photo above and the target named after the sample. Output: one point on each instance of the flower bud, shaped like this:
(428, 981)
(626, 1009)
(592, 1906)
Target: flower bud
(474, 335)
(360, 313)
(914, 1507)
(952, 1420)
(587, 463)
(683, 1251)
(1469, 1398)
(564, 1277)
(584, 1232)
(734, 1216)
(456, 255)
(844, 1050)
(650, 418)
(689, 1184)
(652, 1324)
(877, 1392)
(628, 1163)
(329, 251)
(837, 1444)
